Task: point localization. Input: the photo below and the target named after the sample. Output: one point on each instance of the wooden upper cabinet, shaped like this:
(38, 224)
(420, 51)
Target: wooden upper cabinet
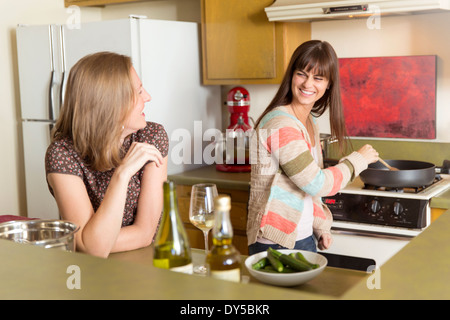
(241, 46)
(91, 3)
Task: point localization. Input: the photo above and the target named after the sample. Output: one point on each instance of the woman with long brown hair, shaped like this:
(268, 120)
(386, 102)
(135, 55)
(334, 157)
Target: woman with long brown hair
(287, 178)
(106, 164)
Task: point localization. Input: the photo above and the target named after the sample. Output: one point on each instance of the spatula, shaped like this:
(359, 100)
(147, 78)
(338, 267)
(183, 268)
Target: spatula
(387, 165)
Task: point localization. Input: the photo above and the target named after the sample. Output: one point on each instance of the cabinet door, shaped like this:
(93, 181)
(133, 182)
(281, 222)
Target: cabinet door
(238, 40)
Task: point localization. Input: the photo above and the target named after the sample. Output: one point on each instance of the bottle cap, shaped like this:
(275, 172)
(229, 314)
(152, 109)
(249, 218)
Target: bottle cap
(222, 203)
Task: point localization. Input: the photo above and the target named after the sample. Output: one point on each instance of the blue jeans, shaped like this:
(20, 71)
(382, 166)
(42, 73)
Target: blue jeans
(307, 244)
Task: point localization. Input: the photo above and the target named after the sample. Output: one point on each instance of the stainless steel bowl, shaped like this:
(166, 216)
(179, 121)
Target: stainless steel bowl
(50, 234)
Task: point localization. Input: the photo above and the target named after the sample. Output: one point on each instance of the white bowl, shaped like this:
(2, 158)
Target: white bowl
(287, 279)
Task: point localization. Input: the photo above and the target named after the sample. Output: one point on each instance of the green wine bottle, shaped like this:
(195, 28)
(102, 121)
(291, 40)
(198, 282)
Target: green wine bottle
(171, 248)
(224, 261)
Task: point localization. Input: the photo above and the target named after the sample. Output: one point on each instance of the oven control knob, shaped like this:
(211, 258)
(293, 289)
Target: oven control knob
(375, 206)
(398, 208)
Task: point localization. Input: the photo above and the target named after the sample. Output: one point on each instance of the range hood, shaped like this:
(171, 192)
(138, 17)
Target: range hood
(309, 10)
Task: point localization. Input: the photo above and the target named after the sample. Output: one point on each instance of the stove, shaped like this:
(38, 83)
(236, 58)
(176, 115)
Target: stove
(372, 224)
(398, 208)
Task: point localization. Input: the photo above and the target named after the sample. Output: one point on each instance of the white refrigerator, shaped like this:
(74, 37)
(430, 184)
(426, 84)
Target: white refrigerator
(166, 55)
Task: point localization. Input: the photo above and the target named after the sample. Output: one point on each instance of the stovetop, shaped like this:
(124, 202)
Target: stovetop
(441, 184)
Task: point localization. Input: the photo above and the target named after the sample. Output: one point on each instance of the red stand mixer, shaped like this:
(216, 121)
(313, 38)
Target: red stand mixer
(236, 141)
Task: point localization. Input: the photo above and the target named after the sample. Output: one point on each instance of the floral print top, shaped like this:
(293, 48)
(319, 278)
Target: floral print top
(61, 157)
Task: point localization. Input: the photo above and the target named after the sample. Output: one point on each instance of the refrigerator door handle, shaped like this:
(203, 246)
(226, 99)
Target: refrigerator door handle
(61, 90)
(50, 128)
(63, 66)
(51, 102)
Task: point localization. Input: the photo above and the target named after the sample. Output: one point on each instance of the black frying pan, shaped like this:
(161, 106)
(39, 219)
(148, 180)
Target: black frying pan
(411, 174)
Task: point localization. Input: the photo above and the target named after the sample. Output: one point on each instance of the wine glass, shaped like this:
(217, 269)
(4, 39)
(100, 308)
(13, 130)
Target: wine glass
(201, 212)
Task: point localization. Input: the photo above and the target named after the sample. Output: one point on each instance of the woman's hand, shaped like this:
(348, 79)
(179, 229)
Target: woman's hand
(325, 241)
(138, 155)
(369, 153)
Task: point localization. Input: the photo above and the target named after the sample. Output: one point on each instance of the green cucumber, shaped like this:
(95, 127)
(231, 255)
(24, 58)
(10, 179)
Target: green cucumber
(260, 264)
(276, 264)
(268, 269)
(271, 269)
(301, 257)
(294, 263)
(283, 262)
(276, 253)
(289, 270)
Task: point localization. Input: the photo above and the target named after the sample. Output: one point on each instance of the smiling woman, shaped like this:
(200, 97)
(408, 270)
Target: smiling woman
(285, 208)
(106, 165)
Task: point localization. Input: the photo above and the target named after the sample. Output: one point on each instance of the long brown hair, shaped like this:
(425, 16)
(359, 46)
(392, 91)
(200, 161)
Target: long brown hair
(99, 95)
(320, 57)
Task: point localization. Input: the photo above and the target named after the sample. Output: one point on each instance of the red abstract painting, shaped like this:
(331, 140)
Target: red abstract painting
(390, 97)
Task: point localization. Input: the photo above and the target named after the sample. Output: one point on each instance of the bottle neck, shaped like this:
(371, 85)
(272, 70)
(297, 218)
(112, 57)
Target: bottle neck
(170, 197)
(170, 218)
(222, 230)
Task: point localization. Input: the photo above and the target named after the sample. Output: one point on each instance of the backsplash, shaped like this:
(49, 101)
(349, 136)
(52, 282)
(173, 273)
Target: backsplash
(432, 152)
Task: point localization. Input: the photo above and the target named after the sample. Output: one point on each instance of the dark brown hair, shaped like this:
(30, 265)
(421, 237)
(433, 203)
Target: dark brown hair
(320, 57)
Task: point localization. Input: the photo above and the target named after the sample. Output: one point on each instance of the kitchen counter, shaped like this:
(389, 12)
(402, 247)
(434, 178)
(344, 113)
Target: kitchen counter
(420, 271)
(442, 201)
(29, 272)
(439, 205)
(209, 174)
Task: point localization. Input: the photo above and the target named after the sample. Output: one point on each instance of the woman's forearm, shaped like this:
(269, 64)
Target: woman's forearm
(150, 204)
(101, 232)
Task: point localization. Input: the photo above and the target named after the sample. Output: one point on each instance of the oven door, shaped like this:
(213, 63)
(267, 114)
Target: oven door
(363, 249)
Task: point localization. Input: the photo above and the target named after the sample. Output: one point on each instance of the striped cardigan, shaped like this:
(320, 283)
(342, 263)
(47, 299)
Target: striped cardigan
(283, 172)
